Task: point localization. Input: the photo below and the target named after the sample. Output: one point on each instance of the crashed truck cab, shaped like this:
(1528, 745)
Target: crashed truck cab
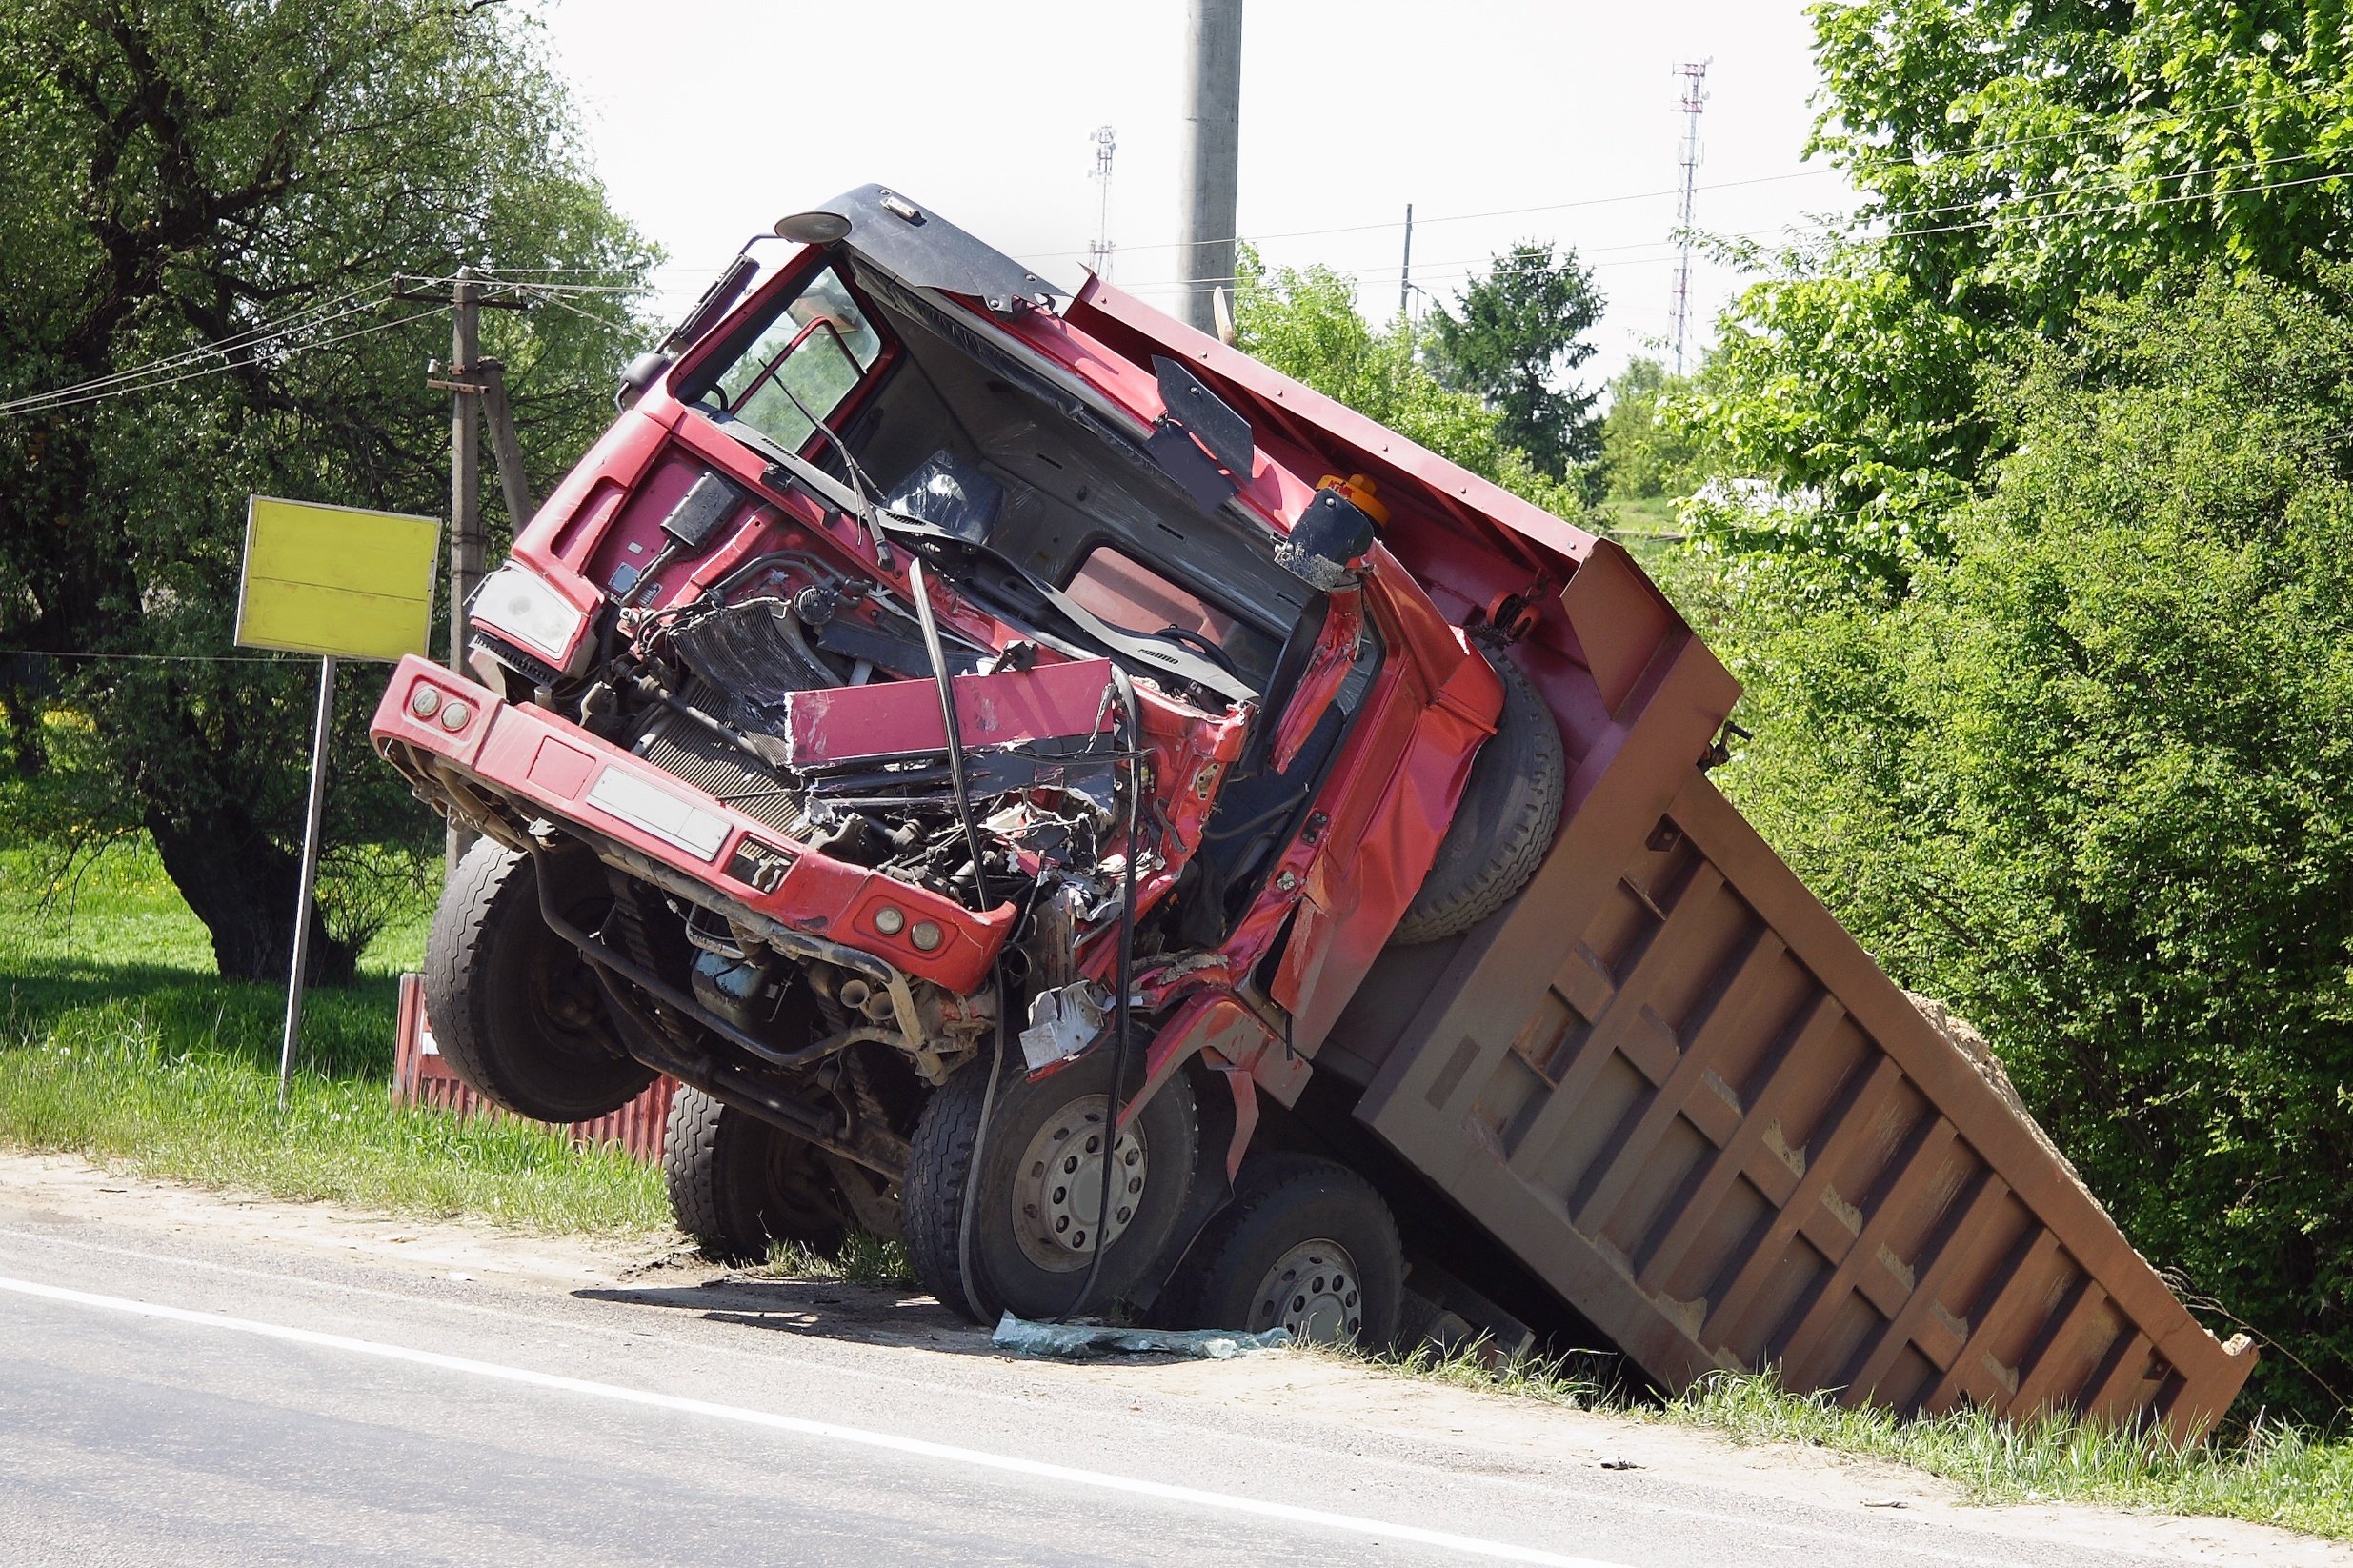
(926, 673)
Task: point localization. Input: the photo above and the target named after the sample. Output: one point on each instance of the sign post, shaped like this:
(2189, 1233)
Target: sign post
(341, 583)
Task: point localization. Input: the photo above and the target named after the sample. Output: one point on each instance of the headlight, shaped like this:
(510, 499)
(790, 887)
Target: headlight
(520, 603)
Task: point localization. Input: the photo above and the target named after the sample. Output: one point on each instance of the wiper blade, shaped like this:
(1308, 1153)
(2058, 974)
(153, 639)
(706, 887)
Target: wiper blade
(1156, 656)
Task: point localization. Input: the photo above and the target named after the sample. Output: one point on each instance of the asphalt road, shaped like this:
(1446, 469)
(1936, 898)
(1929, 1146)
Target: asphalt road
(183, 1400)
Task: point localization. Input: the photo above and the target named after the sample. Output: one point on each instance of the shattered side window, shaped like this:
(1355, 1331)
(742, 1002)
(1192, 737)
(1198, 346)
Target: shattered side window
(804, 362)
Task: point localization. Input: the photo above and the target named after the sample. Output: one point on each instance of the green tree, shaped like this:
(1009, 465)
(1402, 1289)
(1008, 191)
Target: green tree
(239, 183)
(1304, 322)
(2013, 163)
(1644, 454)
(1516, 345)
(2092, 781)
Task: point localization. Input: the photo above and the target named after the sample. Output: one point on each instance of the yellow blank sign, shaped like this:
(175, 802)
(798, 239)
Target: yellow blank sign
(336, 580)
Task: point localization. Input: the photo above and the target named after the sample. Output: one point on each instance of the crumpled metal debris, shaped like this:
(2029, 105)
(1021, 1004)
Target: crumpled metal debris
(1088, 1341)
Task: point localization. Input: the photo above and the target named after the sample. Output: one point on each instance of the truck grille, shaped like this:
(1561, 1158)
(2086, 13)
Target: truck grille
(678, 745)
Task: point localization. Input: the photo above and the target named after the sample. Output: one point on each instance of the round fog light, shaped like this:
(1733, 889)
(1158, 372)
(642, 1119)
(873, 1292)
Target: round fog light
(455, 714)
(424, 700)
(925, 935)
(890, 921)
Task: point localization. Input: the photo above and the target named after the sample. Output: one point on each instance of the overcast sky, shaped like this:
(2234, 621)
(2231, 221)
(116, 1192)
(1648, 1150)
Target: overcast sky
(1498, 119)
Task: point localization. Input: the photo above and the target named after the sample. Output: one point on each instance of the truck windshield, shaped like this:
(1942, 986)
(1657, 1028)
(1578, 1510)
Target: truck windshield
(802, 361)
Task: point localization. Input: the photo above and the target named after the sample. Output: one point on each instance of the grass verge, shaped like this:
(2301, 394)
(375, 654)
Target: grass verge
(2264, 1473)
(118, 1043)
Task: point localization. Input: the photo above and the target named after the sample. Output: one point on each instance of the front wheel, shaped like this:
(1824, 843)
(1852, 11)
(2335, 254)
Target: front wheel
(1038, 1210)
(515, 1009)
(1305, 1245)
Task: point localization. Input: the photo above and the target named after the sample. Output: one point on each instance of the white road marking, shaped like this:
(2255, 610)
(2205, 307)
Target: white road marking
(801, 1426)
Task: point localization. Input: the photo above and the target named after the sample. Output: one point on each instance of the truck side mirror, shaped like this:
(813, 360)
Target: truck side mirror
(1328, 544)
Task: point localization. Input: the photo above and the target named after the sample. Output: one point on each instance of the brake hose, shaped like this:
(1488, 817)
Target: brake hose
(920, 591)
(1124, 971)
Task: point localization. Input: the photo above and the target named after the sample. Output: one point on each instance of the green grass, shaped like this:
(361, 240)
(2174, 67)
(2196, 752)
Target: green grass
(1565, 1380)
(119, 1041)
(864, 1260)
(2266, 1473)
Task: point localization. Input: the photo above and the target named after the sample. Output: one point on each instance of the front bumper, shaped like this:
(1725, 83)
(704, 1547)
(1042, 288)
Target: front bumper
(542, 766)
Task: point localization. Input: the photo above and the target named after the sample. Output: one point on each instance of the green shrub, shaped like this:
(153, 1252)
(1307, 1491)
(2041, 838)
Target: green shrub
(2092, 782)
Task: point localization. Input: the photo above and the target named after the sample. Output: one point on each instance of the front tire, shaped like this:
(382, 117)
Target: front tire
(738, 1185)
(1036, 1200)
(515, 1009)
(1306, 1245)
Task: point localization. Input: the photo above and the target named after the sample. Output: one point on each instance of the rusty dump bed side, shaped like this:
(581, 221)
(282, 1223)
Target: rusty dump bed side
(1671, 1083)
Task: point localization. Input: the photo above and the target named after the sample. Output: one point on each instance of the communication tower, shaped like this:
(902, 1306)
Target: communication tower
(1693, 73)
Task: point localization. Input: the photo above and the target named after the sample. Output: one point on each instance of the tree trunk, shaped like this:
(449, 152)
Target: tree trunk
(242, 887)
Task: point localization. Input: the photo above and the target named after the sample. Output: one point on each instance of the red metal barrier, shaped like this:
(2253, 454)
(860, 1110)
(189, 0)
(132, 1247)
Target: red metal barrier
(421, 1077)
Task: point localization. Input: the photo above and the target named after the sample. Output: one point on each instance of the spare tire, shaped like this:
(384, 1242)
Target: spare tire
(1503, 824)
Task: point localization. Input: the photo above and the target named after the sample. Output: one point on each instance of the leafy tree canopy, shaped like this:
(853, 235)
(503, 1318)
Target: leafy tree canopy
(239, 182)
(1305, 324)
(1644, 456)
(2014, 162)
(1519, 341)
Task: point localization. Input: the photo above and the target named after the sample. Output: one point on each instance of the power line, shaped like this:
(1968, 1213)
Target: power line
(148, 658)
(2001, 217)
(310, 315)
(1932, 162)
(59, 401)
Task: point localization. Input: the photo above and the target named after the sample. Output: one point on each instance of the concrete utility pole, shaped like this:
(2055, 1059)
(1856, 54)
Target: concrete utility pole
(471, 382)
(1405, 272)
(1098, 254)
(1209, 165)
(1693, 73)
(466, 541)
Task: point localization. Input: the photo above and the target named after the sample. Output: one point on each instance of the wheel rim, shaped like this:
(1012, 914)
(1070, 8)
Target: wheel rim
(1057, 1190)
(560, 991)
(1312, 1290)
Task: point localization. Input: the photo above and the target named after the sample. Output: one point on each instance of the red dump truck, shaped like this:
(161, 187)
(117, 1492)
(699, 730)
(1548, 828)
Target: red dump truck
(1051, 788)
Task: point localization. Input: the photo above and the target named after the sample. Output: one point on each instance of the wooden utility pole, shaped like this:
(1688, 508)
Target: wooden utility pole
(475, 385)
(466, 543)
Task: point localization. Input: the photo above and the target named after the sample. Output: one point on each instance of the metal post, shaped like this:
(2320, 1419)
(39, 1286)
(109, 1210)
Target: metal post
(466, 543)
(310, 879)
(1211, 154)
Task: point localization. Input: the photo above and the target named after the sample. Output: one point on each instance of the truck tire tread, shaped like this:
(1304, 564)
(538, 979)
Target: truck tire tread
(1504, 824)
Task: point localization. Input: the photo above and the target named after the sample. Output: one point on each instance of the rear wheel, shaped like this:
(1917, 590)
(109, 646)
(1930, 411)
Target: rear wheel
(514, 1008)
(1038, 1211)
(738, 1184)
(1305, 1245)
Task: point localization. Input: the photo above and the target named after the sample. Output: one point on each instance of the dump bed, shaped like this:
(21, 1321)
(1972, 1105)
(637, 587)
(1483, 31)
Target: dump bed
(1672, 1084)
